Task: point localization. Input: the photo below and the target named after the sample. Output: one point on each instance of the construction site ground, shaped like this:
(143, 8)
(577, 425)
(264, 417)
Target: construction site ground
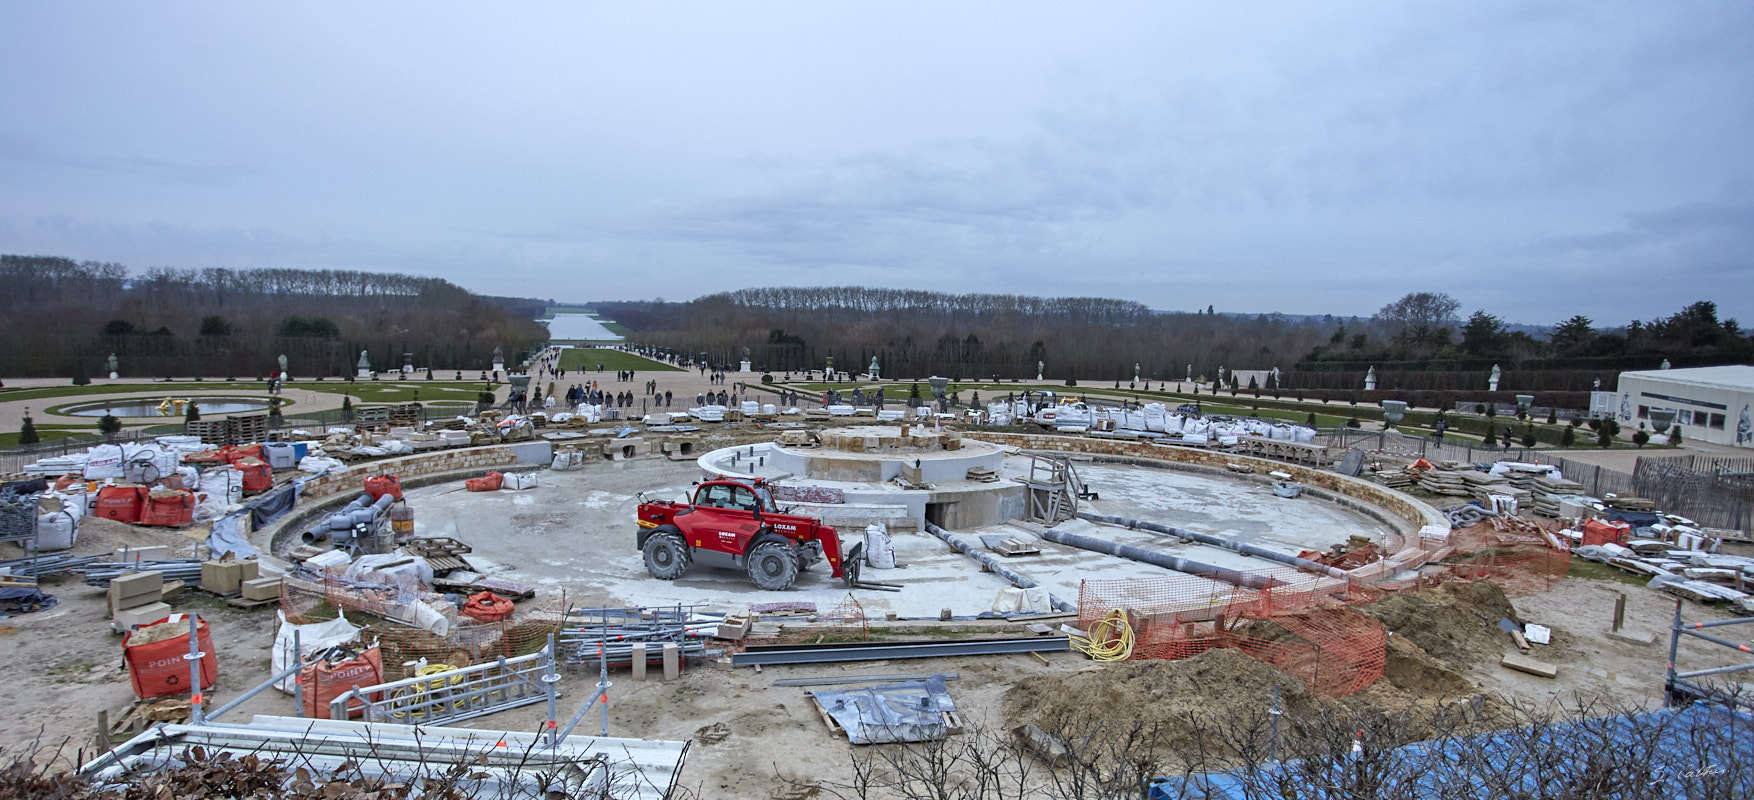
(755, 739)
(575, 533)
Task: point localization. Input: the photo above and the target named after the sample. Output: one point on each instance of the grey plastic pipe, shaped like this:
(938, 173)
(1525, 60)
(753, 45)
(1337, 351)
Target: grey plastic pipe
(993, 564)
(1217, 541)
(1233, 577)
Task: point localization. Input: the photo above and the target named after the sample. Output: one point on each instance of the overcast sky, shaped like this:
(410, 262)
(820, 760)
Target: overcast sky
(1534, 159)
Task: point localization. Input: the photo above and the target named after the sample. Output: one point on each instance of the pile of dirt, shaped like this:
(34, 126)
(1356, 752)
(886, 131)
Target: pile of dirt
(100, 536)
(1217, 684)
(1455, 623)
(1412, 670)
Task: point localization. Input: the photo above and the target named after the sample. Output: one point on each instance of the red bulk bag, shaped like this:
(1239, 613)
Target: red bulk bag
(324, 682)
(258, 476)
(161, 668)
(169, 509)
(488, 607)
(1595, 532)
(486, 483)
(384, 484)
(121, 503)
(236, 454)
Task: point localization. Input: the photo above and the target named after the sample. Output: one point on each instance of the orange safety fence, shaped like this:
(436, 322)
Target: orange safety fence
(385, 616)
(1298, 619)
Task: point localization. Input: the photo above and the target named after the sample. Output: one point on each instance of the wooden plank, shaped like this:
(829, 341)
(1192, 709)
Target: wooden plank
(1529, 665)
(834, 728)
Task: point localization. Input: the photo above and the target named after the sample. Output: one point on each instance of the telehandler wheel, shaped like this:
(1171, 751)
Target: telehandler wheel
(667, 556)
(773, 566)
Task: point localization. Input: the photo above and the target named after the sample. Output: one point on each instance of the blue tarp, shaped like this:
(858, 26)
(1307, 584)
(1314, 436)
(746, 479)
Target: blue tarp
(1676, 752)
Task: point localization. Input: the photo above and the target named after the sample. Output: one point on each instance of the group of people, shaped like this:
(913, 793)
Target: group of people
(592, 395)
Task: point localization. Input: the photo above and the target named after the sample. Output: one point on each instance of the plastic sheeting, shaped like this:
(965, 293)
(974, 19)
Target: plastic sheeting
(273, 504)
(311, 639)
(910, 711)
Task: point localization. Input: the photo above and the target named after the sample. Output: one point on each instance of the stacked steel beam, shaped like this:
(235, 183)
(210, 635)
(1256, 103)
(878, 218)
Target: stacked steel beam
(102, 572)
(592, 633)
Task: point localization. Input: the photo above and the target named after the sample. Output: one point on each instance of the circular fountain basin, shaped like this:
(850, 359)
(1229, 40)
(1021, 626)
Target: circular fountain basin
(148, 407)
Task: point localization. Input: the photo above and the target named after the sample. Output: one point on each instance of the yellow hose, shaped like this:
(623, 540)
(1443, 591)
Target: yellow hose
(1111, 639)
(418, 690)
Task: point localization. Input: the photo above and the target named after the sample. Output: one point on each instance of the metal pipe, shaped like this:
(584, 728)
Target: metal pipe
(549, 679)
(1235, 578)
(278, 677)
(1715, 640)
(1682, 676)
(1718, 623)
(878, 651)
(1216, 541)
(993, 564)
(1674, 647)
(194, 658)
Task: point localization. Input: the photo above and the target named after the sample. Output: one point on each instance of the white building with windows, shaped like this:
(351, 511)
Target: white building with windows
(1711, 404)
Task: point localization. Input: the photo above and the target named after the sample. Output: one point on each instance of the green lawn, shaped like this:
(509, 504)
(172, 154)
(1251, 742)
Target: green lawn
(368, 391)
(587, 359)
(1597, 571)
(46, 433)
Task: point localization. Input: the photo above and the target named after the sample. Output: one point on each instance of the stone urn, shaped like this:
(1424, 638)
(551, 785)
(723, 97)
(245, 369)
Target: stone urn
(1393, 411)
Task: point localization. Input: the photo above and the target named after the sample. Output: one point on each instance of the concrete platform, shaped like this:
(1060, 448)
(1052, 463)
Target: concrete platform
(575, 534)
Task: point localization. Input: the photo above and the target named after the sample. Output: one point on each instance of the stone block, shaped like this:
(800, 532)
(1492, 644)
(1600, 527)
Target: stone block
(127, 618)
(672, 661)
(261, 589)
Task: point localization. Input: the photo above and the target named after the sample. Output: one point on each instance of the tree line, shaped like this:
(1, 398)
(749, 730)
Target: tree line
(1423, 330)
(915, 334)
(1420, 338)
(65, 317)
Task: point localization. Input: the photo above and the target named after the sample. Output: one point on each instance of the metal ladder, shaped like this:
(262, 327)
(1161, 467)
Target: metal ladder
(1054, 490)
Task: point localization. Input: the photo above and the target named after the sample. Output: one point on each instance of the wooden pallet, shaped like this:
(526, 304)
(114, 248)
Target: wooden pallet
(140, 715)
(430, 546)
(236, 599)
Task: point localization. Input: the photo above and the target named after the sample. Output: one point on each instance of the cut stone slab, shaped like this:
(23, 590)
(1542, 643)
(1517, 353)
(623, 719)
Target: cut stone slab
(1531, 666)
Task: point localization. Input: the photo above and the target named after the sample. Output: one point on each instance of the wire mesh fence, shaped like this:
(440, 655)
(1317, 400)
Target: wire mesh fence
(1301, 621)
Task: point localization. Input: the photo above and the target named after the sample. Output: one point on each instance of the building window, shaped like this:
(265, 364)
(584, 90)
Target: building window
(1717, 422)
(1684, 417)
(1644, 412)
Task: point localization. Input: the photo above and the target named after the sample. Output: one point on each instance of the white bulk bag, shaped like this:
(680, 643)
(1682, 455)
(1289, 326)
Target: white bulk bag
(102, 462)
(879, 548)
